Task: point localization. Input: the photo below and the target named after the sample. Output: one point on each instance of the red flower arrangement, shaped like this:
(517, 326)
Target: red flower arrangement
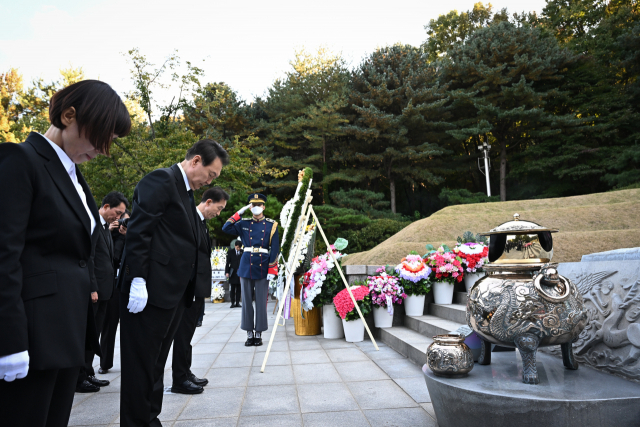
(344, 303)
(474, 256)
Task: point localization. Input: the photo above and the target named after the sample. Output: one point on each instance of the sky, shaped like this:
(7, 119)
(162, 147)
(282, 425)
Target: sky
(246, 44)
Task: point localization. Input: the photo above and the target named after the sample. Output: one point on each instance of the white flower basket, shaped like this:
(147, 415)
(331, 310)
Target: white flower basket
(414, 305)
(332, 324)
(353, 330)
(381, 317)
(470, 279)
(442, 292)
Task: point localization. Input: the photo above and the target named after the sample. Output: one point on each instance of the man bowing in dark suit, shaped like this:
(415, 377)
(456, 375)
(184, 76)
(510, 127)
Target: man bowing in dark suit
(160, 267)
(113, 206)
(184, 381)
(231, 271)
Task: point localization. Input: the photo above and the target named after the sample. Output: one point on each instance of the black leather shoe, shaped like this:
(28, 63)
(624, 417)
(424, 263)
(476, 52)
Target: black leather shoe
(198, 381)
(103, 371)
(186, 387)
(232, 305)
(199, 324)
(249, 342)
(86, 387)
(257, 342)
(95, 381)
(238, 305)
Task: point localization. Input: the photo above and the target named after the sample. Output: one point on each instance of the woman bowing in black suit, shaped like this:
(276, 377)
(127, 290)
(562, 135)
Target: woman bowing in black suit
(47, 237)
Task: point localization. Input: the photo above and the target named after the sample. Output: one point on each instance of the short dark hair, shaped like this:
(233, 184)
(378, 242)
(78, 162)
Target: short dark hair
(114, 199)
(209, 150)
(99, 111)
(216, 194)
(238, 243)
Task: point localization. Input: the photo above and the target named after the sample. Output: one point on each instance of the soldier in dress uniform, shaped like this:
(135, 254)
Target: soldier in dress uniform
(258, 265)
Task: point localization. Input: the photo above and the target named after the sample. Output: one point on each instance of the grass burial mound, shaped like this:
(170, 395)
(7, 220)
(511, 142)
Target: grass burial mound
(587, 224)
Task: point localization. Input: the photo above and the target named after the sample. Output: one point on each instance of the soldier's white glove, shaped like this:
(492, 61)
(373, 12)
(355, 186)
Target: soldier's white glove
(243, 210)
(138, 295)
(14, 366)
(270, 277)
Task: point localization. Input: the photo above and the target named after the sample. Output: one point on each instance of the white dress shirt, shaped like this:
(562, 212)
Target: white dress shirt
(200, 214)
(70, 167)
(184, 175)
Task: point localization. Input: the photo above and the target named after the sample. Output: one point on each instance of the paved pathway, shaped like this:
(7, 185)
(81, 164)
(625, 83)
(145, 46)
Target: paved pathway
(309, 381)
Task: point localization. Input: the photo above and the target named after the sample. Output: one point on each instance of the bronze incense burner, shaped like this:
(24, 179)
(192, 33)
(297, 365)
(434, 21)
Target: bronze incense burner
(523, 302)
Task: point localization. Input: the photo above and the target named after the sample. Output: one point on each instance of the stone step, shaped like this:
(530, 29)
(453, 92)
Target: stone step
(406, 342)
(429, 325)
(460, 298)
(454, 312)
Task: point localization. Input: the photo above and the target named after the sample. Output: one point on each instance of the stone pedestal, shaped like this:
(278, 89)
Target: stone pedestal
(494, 396)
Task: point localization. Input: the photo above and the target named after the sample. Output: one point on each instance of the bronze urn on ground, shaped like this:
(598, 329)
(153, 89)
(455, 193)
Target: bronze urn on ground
(523, 302)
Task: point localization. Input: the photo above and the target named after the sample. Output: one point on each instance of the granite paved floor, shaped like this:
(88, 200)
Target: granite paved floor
(308, 381)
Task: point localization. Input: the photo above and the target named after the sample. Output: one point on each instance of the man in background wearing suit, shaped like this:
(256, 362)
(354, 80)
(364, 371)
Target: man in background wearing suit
(231, 270)
(160, 267)
(113, 206)
(111, 320)
(184, 381)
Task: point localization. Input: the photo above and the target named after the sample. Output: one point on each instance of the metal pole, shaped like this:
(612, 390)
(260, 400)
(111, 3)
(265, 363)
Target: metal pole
(486, 168)
(485, 155)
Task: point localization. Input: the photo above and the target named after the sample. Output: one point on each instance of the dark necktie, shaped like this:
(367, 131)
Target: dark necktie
(193, 205)
(106, 226)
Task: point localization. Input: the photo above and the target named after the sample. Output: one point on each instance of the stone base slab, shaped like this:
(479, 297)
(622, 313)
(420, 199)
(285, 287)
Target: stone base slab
(494, 396)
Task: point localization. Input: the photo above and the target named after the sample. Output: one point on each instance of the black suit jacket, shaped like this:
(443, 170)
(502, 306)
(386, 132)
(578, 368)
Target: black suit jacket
(103, 264)
(46, 258)
(162, 239)
(118, 248)
(203, 280)
(233, 262)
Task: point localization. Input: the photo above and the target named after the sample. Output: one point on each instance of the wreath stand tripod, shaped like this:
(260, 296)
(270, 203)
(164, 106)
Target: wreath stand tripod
(307, 209)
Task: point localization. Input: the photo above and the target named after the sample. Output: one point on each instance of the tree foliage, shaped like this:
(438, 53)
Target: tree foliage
(395, 137)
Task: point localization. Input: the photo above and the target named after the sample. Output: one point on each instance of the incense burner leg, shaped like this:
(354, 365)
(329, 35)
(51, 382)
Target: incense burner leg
(485, 353)
(528, 346)
(568, 358)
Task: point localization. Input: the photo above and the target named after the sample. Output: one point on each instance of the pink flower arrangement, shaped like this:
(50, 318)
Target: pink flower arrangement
(315, 277)
(344, 304)
(385, 290)
(446, 266)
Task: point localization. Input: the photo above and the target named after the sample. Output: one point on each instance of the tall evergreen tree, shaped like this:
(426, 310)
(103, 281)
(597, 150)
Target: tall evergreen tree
(306, 119)
(396, 117)
(499, 83)
(216, 112)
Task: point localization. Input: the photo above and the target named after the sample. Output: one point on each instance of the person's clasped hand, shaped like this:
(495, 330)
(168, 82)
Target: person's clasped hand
(138, 295)
(14, 366)
(243, 210)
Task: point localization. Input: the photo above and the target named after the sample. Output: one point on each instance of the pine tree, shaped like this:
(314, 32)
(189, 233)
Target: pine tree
(500, 81)
(305, 118)
(216, 112)
(397, 116)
